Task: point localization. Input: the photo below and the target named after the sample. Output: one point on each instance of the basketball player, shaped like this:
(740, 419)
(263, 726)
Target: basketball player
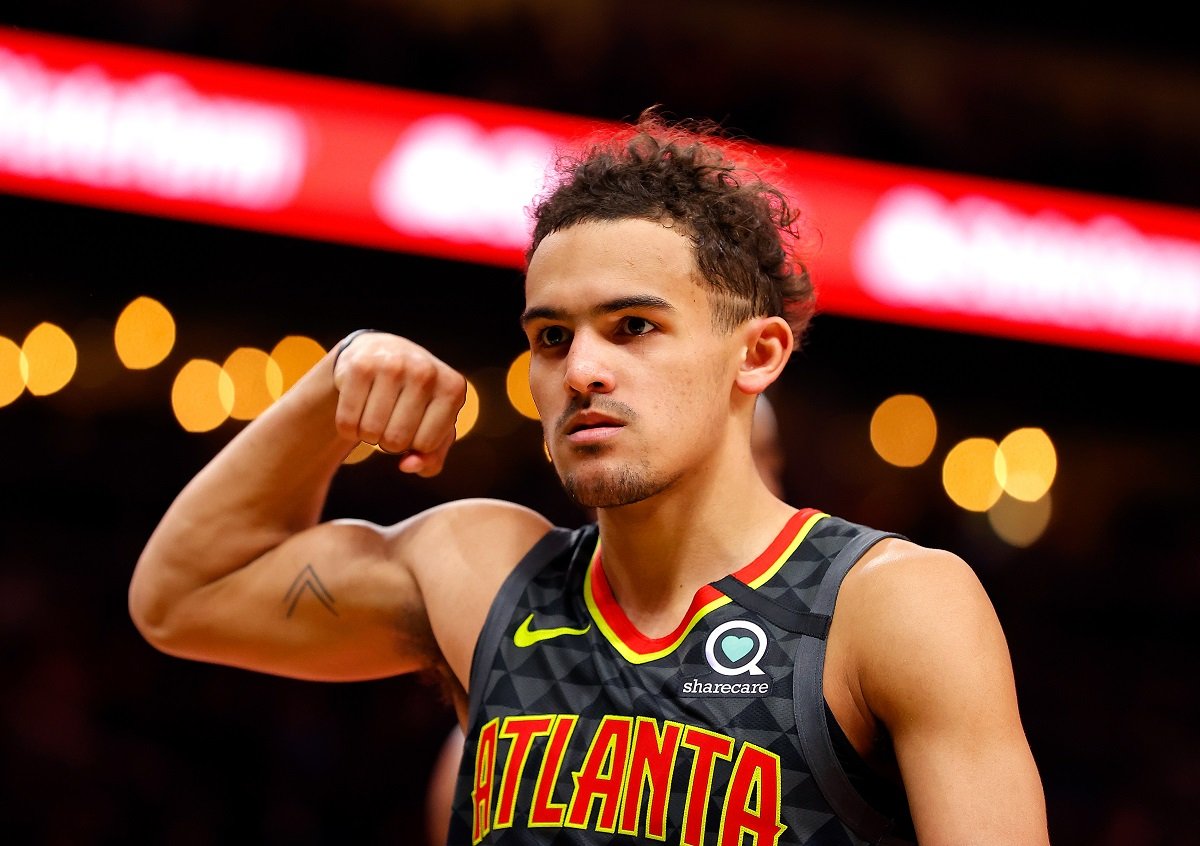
(767, 452)
(705, 664)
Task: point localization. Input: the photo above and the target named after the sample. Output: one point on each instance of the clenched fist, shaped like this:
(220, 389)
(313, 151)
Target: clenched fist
(398, 395)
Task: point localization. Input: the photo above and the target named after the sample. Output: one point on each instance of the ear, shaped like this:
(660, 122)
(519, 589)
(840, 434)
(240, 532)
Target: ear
(767, 346)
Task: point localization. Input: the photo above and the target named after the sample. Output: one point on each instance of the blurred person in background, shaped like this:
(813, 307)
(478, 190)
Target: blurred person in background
(704, 661)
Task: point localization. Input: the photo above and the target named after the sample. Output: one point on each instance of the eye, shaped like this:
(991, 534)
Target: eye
(637, 326)
(552, 336)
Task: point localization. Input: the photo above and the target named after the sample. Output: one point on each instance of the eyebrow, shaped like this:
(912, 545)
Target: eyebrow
(642, 301)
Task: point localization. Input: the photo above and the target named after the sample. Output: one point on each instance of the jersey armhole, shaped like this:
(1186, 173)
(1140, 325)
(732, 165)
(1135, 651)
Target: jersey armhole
(809, 701)
(548, 547)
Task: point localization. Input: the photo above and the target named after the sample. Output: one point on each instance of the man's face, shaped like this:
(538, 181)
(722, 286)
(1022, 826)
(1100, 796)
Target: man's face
(630, 378)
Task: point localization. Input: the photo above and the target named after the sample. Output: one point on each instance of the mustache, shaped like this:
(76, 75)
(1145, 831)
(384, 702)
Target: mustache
(601, 405)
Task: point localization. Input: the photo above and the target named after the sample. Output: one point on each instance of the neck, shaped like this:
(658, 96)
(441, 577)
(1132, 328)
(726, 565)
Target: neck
(659, 552)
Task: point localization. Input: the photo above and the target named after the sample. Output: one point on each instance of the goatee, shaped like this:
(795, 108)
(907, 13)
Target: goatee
(613, 488)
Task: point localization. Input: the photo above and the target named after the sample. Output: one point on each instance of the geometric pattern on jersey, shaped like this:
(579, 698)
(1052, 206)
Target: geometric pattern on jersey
(583, 730)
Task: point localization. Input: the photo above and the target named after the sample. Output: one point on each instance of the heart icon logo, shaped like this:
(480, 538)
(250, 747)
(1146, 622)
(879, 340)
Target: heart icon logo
(736, 648)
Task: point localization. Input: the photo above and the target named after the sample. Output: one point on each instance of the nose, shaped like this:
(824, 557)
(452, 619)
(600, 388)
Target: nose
(586, 371)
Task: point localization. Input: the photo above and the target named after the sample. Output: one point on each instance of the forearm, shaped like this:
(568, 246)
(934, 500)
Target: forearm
(268, 483)
(232, 540)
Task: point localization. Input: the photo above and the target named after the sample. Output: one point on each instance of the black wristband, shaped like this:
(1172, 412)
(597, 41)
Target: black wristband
(347, 341)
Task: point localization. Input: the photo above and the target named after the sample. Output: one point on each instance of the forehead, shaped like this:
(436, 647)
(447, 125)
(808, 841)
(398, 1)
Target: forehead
(596, 261)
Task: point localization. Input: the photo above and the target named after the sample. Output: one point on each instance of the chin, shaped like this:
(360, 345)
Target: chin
(612, 487)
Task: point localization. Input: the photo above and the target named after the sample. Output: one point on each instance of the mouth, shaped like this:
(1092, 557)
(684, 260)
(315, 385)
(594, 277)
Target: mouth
(589, 427)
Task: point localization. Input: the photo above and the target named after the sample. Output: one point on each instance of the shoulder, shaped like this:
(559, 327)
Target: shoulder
(917, 621)
(459, 554)
(898, 571)
(481, 530)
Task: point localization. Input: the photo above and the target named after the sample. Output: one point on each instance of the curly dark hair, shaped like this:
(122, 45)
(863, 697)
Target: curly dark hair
(743, 229)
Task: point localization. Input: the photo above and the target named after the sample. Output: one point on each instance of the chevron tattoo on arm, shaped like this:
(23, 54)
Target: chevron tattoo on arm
(309, 580)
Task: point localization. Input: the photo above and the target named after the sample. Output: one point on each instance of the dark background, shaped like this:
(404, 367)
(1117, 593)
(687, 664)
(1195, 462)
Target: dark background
(104, 740)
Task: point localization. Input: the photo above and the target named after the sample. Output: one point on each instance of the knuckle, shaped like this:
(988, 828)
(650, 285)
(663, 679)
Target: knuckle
(396, 438)
(432, 441)
(435, 444)
(422, 373)
(345, 421)
(360, 366)
(393, 446)
(368, 431)
(392, 366)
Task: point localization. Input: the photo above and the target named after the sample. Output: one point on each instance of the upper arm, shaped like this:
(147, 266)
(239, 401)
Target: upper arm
(325, 603)
(933, 666)
(348, 599)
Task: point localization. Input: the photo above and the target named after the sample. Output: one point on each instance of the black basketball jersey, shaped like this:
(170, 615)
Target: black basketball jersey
(583, 730)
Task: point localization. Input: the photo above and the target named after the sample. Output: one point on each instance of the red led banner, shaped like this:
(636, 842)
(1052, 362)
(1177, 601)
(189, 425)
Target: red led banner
(169, 135)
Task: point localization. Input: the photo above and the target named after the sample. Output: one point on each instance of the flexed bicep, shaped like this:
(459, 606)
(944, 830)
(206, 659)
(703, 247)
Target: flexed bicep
(328, 603)
(239, 569)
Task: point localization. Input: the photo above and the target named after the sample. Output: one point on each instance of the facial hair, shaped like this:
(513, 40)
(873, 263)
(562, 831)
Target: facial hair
(608, 487)
(612, 487)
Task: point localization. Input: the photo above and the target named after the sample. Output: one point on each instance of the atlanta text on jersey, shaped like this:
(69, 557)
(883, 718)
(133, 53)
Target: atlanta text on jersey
(627, 780)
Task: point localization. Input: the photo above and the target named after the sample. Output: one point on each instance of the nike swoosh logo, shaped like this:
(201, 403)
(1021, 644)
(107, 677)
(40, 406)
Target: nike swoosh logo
(525, 636)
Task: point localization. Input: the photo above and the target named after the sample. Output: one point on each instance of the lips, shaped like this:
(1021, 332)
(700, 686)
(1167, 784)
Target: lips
(591, 427)
(587, 420)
